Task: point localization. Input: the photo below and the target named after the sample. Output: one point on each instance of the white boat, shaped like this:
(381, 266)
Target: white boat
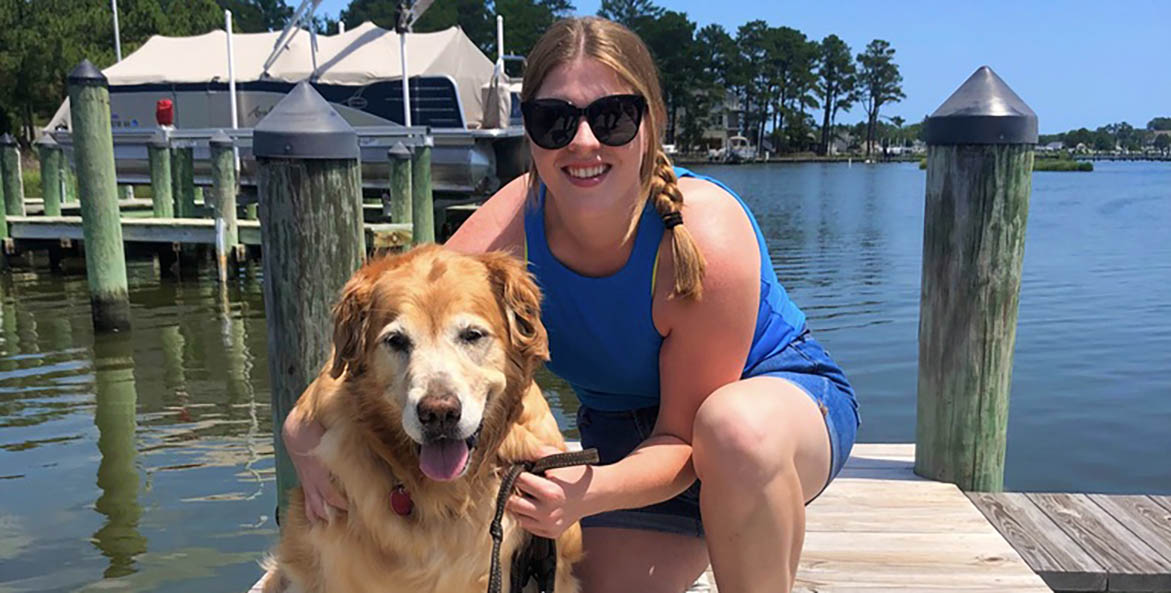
(357, 71)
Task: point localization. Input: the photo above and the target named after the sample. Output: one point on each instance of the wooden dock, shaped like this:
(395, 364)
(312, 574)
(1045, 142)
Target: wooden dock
(1087, 542)
(179, 230)
(879, 527)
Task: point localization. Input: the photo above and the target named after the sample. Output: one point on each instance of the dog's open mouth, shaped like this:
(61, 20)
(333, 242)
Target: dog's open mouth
(444, 459)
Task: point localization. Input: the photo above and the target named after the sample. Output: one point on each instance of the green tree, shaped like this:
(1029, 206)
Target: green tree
(380, 12)
(1159, 123)
(526, 20)
(836, 85)
(880, 82)
(1079, 136)
(189, 17)
(1163, 142)
(632, 13)
(256, 16)
(41, 41)
(473, 16)
(670, 39)
(790, 60)
(752, 40)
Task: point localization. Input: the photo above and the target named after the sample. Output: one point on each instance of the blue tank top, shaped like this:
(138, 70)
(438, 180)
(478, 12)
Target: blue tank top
(602, 339)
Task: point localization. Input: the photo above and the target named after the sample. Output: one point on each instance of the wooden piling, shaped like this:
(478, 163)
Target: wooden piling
(70, 194)
(183, 178)
(310, 194)
(105, 260)
(52, 174)
(162, 198)
(223, 173)
(979, 173)
(10, 170)
(422, 204)
(400, 183)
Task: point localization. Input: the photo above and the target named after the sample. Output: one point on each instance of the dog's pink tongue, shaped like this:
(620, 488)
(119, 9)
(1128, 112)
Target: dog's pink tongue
(443, 460)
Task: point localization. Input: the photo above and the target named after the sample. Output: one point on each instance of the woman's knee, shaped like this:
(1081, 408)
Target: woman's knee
(740, 434)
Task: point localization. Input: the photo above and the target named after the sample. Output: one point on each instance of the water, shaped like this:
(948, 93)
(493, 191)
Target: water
(143, 462)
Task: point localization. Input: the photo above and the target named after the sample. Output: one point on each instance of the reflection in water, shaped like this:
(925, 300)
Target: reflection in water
(119, 539)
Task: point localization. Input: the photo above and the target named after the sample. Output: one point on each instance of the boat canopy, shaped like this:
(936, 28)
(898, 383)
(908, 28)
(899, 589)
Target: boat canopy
(358, 57)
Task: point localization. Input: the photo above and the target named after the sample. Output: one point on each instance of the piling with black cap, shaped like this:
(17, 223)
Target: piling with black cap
(979, 175)
(52, 174)
(183, 178)
(422, 203)
(93, 145)
(10, 170)
(162, 199)
(400, 183)
(312, 237)
(223, 175)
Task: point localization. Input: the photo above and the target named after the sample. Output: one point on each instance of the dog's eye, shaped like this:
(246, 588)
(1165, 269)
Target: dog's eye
(472, 335)
(398, 342)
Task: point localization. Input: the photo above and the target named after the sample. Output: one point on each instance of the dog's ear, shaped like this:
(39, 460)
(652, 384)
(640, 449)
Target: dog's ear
(520, 298)
(351, 324)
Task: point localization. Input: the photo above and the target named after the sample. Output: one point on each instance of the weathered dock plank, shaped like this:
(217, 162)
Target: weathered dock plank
(1141, 515)
(1130, 564)
(1052, 554)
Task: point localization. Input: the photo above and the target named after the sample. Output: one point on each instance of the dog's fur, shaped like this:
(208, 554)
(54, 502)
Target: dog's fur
(367, 398)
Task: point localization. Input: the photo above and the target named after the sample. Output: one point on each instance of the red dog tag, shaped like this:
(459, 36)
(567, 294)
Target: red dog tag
(400, 501)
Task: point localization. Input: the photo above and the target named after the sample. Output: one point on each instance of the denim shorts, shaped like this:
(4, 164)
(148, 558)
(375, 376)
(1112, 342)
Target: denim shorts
(803, 362)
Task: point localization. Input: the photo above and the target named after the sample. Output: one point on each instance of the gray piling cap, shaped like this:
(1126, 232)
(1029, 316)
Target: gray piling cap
(984, 110)
(47, 141)
(399, 151)
(220, 139)
(304, 126)
(87, 74)
(7, 140)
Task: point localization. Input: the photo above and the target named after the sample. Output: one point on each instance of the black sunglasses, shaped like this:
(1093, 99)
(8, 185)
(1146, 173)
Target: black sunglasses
(614, 119)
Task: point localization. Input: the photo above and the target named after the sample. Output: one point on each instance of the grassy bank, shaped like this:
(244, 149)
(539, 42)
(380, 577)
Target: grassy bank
(1049, 164)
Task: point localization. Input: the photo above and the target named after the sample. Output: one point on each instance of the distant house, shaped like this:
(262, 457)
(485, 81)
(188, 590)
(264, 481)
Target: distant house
(725, 119)
(841, 143)
(1052, 147)
(723, 122)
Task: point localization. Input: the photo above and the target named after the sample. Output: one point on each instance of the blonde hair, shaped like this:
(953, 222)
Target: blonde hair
(625, 53)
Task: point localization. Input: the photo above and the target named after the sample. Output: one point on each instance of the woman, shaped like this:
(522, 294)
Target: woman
(689, 359)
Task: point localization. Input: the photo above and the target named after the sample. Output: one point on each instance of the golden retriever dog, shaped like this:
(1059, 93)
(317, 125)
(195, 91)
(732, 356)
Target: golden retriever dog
(427, 400)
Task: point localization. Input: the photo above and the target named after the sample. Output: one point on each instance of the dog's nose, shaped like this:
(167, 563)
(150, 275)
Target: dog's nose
(439, 414)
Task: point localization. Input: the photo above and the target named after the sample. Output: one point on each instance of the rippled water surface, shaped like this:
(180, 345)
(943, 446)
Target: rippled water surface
(143, 461)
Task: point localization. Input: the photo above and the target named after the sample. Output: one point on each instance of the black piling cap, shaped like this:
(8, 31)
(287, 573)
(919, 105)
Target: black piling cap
(304, 126)
(984, 110)
(86, 74)
(399, 152)
(7, 140)
(47, 141)
(220, 139)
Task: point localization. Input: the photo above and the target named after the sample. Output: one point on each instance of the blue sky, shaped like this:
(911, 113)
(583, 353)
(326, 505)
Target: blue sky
(1076, 63)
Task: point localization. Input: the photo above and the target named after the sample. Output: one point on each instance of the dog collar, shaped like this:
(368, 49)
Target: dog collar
(400, 501)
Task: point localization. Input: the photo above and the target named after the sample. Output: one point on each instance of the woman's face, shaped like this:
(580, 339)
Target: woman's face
(587, 175)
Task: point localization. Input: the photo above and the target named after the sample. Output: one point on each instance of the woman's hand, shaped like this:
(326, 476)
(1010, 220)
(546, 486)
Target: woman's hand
(548, 506)
(301, 436)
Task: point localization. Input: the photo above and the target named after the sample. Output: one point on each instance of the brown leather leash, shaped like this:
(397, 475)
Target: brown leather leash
(540, 550)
